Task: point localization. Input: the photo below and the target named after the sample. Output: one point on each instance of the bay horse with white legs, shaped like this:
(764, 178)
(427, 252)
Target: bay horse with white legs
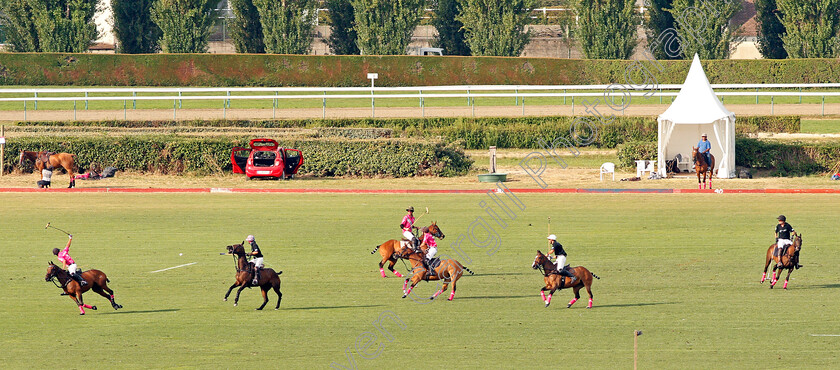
(389, 252)
(268, 279)
(554, 281)
(700, 166)
(64, 160)
(96, 281)
(785, 260)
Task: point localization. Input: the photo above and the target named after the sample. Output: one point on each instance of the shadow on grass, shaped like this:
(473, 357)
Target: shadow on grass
(499, 297)
(633, 304)
(329, 307)
(823, 286)
(144, 311)
(478, 274)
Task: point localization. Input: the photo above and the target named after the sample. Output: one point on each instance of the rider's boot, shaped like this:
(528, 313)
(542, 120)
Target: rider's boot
(256, 275)
(796, 261)
(78, 277)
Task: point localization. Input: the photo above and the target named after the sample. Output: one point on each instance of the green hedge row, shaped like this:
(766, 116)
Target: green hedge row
(783, 159)
(787, 158)
(309, 70)
(473, 133)
(322, 157)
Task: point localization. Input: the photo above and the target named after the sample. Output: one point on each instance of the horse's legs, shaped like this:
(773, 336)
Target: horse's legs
(548, 300)
(77, 298)
(230, 290)
(279, 295)
(238, 291)
(775, 277)
(766, 264)
(382, 267)
(110, 294)
(413, 283)
(99, 291)
(589, 291)
(391, 267)
(264, 290)
(787, 278)
(576, 289)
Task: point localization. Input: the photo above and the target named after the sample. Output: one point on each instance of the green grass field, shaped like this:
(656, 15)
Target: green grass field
(688, 279)
(820, 126)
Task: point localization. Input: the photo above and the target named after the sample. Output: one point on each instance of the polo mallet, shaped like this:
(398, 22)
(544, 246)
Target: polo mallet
(427, 212)
(50, 226)
(549, 225)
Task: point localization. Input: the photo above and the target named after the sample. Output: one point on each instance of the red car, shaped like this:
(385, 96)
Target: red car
(265, 158)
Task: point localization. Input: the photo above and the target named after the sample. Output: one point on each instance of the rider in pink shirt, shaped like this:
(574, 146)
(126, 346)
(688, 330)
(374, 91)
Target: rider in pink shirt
(69, 263)
(407, 225)
(431, 244)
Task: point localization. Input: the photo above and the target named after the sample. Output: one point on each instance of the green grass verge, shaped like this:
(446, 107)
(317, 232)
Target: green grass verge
(820, 126)
(697, 303)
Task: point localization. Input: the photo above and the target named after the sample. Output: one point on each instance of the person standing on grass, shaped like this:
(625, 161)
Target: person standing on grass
(783, 232)
(69, 263)
(46, 177)
(560, 255)
(407, 226)
(705, 147)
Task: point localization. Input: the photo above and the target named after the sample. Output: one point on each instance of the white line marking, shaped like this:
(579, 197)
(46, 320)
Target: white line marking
(825, 335)
(170, 268)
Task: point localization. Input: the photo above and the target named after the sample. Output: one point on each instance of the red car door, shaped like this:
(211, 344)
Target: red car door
(239, 158)
(293, 159)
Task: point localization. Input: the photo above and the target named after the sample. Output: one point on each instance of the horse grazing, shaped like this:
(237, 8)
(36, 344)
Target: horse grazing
(785, 259)
(96, 280)
(388, 250)
(700, 166)
(554, 281)
(64, 160)
(268, 278)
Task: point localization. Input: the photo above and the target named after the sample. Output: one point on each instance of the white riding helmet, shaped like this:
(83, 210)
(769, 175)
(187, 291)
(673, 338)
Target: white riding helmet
(250, 238)
(552, 237)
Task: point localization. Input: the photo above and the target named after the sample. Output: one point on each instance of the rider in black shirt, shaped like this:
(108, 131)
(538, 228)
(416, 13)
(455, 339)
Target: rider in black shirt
(783, 233)
(560, 254)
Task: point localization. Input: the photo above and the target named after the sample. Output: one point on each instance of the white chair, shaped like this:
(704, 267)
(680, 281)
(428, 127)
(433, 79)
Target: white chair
(608, 167)
(682, 162)
(640, 168)
(650, 168)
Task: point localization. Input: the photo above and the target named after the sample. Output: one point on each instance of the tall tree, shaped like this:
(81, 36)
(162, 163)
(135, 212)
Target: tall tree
(287, 25)
(134, 29)
(342, 39)
(245, 28)
(659, 20)
(450, 30)
(812, 28)
(607, 28)
(495, 27)
(703, 27)
(185, 24)
(64, 26)
(770, 30)
(385, 27)
(17, 22)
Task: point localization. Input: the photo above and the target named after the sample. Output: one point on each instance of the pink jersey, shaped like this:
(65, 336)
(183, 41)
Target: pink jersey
(64, 256)
(407, 222)
(429, 239)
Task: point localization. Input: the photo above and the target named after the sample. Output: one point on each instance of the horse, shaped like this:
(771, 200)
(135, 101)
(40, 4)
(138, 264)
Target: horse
(64, 160)
(554, 281)
(786, 260)
(700, 165)
(449, 270)
(268, 278)
(96, 280)
(389, 249)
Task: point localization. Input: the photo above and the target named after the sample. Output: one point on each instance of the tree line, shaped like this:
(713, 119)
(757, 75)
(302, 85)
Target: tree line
(604, 29)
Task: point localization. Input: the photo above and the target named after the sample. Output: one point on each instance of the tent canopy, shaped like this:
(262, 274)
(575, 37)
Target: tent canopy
(697, 110)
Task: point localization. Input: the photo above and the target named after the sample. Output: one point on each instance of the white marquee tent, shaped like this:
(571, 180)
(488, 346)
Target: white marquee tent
(695, 111)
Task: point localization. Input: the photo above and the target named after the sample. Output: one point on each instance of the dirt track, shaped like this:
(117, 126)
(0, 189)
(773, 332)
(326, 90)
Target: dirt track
(497, 111)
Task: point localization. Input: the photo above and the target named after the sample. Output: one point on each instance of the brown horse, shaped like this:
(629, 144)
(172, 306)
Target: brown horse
(268, 278)
(64, 160)
(785, 259)
(449, 270)
(389, 250)
(554, 281)
(96, 280)
(700, 166)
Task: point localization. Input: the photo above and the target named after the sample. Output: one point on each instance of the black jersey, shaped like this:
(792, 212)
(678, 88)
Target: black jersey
(256, 248)
(558, 249)
(784, 231)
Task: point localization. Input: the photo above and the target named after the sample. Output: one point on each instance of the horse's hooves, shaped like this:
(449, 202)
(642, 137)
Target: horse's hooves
(235, 304)
(405, 295)
(225, 299)
(450, 299)
(81, 314)
(546, 305)
(569, 306)
(93, 308)
(258, 309)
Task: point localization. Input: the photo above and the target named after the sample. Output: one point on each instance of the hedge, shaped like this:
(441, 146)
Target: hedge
(782, 159)
(473, 133)
(322, 157)
(60, 69)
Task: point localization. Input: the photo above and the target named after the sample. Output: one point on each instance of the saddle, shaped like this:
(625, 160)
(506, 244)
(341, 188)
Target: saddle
(565, 268)
(433, 264)
(44, 157)
(781, 252)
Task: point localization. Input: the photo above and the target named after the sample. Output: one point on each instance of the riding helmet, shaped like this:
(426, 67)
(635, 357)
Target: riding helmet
(410, 209)
(250, 238)
(782, 218)
(55, 251)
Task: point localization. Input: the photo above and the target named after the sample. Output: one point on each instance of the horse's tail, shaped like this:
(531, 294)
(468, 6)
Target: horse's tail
(468, 270)
(107, 280)
(595, 276)
(375, 249)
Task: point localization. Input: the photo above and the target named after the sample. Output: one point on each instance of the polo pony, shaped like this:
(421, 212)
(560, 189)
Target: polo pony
(268, 279)
(64, 160)
(700, 166)
(785, 258)
(96, 281)
(554, 281)
(389, 252)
